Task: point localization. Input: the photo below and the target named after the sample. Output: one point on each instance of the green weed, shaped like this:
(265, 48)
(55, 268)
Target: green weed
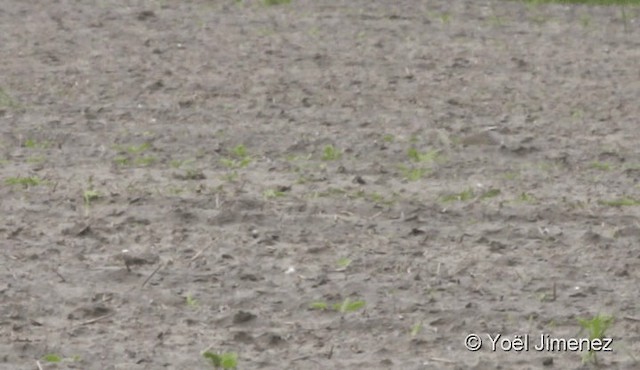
(416, 329)
(240, 158)
(348, 306)
(388, 138)
(343, 263)
(419, 157)
(600, 166)
(596, 327)
(491, 193)
(273, 193)
(89, 196)
(412, 173)
(190, 301)
(620, 202)
(276, 2)
(24, 181)
(33, 144)
(319, 306)
(343, 307)
(525, 198)
(52, 358)
(227, 360)
(587, 2)
(121, 161)
(330, 153)
(462, 196)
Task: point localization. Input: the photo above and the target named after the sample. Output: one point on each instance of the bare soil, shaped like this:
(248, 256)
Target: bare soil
(254, 159)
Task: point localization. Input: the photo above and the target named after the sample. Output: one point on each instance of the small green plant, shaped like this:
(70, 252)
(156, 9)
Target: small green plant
(463, 196)
(388, 138)
(491, 193)
(133, 155)
(525, 198)
(348, 306)
(52, 358)
(276, 2)
(226, 360)
(190, 301)
(323, 306)
(273, 193)
(416, 329)
(34, 144)
(343, 307)
(89, 196)
(121, 161)
(343, 263)
(412, 173)
(419, 157)
(620, 202)
(24, 181)
(589, 2)
(596, 327)
(240, 158)
(331, 153)
(138, 149)
(600, 166)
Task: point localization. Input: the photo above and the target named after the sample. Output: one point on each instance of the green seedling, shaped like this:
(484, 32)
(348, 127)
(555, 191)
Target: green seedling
(426, 157)
(191, 302)
(343, 307)
(600, 166)
(589, 2)
(89, 196)
(227, 360)
(121, 161)
(273, 193)
(33, 144)
(525, 198)
(491, 193)
(323, 306)
(620, 202)
(330, 153)
(176, 163)
(52, 358)
(459, 197)
(348, 306)
(240, 158)
(596, 327)
(412, 173)
(388, 138)
(138, 149)
(343, 263)
(24, 181)
(416, 329)
(276, 2)
(240, 151)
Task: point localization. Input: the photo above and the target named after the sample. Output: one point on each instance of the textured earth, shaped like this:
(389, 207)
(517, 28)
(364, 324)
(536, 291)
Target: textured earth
(316, 185)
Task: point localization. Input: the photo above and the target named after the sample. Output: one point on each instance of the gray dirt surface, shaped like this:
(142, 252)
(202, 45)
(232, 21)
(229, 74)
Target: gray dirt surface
(517, 211)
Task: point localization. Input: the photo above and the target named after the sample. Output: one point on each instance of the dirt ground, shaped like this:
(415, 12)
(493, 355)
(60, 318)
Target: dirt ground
(457, 167)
